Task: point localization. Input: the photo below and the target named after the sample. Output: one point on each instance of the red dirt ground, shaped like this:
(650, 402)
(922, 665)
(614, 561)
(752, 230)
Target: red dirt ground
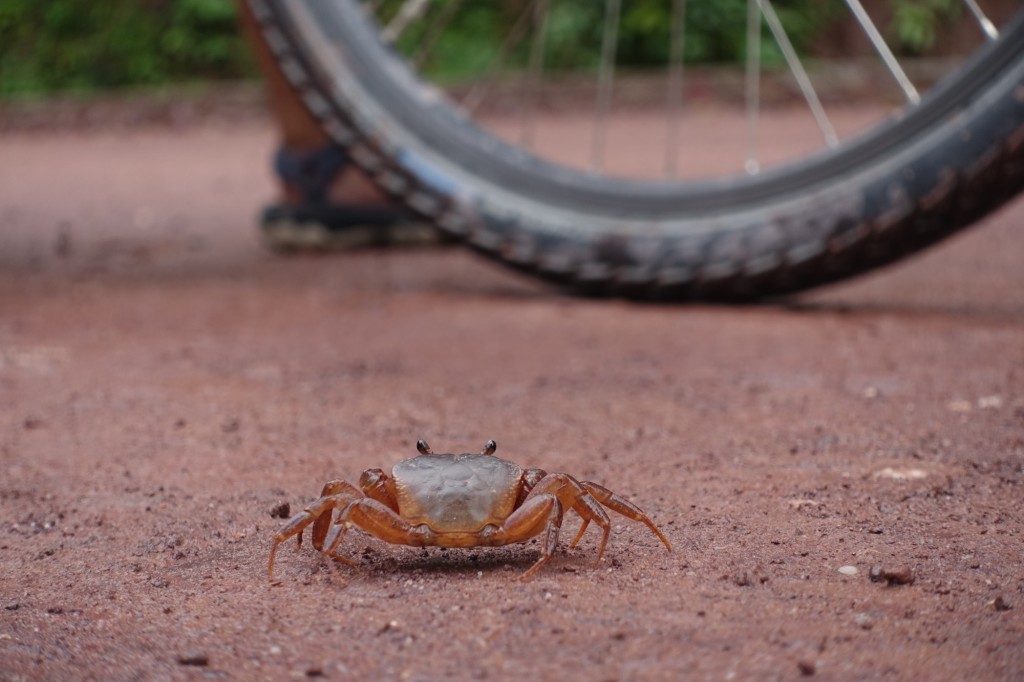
(166, 384)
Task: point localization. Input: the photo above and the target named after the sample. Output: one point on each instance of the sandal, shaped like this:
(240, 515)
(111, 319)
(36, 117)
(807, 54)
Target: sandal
(318, 224)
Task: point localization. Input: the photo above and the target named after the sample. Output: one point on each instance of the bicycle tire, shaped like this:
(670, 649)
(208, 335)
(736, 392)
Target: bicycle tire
(903, 186)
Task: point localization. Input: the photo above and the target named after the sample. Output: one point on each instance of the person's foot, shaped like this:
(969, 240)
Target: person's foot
(316, 216)
(334, 227)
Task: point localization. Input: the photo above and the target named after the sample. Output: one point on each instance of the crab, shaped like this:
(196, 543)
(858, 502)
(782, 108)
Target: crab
(467, 500)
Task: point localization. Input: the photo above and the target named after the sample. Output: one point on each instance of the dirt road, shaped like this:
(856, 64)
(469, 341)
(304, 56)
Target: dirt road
(166, 385)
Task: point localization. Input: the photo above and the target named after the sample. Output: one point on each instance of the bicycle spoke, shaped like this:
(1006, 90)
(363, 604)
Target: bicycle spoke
(520, 63)
(606, 77)
(797, 68)
(753, 88)
(883, 51)
(534, 73)
(677, 38)
(433, 34)
(479, 91)
(987, 27)
(410, 11)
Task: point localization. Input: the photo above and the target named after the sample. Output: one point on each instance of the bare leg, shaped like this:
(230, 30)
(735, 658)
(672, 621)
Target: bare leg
(298, 128)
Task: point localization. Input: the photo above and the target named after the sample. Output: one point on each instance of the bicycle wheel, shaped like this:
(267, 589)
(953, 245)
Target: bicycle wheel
(907, 183)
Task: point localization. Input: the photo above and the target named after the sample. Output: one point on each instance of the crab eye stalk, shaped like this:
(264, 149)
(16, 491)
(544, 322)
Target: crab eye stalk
(489, 448)
(422, 446)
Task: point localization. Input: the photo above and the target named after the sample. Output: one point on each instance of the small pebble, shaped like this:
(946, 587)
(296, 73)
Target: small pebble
(864, 621)
(806, 668)
(901, 575)
(281, 511)
(1001, 604)
(314, 671)
(389, 626)
(990, 402)
(848, 570)
(901, 474)
(12, 606)
(193, 658)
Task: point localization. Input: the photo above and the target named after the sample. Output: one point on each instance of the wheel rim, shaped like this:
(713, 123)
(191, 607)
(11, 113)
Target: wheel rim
(535, 177)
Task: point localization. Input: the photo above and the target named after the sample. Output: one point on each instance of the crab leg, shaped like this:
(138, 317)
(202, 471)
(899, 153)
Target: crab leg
(582, 530)
(543, 510)
(540, 511)
(377, 519)
(323, 521)
(377, 485)
(334, 538)
(623, 506)
(524, 523)
(319, 510)
(573, 495)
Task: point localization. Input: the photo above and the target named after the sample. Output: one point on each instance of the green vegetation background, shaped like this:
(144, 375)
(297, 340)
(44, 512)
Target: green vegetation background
(87, 45)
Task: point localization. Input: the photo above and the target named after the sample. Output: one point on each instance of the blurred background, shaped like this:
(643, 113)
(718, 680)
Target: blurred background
(113, 63)
(89, 46)
(62, 45)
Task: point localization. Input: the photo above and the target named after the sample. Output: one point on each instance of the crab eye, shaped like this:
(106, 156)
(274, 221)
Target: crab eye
(490, 447)
(422, 446)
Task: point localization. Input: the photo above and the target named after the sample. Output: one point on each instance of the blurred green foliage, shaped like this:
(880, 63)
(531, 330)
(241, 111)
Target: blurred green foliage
(87, 45)
(916, 22)
(715, 32)
(95, 44)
